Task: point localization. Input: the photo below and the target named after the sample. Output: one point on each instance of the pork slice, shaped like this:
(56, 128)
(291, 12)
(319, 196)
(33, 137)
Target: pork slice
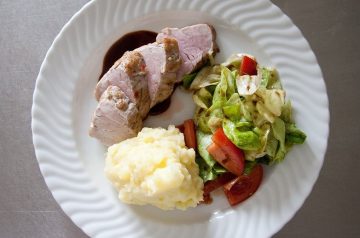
(116, 117)
(197, 43)
(128, 73)
(162, 61)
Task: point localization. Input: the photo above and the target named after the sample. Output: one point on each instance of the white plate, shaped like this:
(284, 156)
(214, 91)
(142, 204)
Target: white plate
(72, 162)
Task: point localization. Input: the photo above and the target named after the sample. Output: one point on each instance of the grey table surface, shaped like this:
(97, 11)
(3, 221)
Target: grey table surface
(27, 28)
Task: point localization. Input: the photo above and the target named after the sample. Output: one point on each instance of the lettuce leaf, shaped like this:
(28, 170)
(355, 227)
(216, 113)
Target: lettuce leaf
(232, 108)
(203, 141)
(270, 78)
(220, 93)
(205, 172)
(209, 75)
(293, 134)
(249, 165)
(286, 112)
(209, 169)
(234, 60)
(201, 119)
(252, 111)
(272, 100)
(225, 102)
(263, 133)
(218, 169)
(241, 135)
(188, 79)
(215, 119)
(230, 80)
(278, 128)
(202, 98)
(271, 145)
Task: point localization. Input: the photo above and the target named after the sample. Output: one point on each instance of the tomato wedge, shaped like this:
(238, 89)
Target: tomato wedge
(219, 155)
(207, 199)
(212, 185)
(180, 127)
(243, 187)
(190, 134)
(226, 153)
(248, 66)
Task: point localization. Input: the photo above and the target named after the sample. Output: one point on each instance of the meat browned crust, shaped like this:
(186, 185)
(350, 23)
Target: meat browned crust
(128, 73)
(162, 61)
(197, 44)
(116, 117)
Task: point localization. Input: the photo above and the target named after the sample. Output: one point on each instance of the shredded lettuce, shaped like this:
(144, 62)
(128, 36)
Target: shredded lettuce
(286, 112)
(263, 133)
(234, 60)
(293, 134)
(206, 173)
(211, 117)
(201, 119)
(270, 102)
(271, 145)
(232, 108)
(216, 117)
(230, 80)
(242, 135)
(203, 141)
(206, 76)
(188, 79)
(252, 111)
(278, 128)
(208, 167)
(203, 98)
(249, 165)
(218, 169)
(270, 78)
(220, 93)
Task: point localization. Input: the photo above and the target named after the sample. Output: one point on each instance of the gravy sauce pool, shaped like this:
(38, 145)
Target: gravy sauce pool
(129, 42)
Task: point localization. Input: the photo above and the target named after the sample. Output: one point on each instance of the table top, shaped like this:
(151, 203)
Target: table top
(27, 29)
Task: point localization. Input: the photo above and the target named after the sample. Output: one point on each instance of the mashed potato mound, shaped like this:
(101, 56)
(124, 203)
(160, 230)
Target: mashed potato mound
(155, 168)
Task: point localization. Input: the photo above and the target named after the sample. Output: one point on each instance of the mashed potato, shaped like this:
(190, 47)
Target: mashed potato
(155, 168)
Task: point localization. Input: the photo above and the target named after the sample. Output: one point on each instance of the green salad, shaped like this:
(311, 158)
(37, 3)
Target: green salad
(245, 103)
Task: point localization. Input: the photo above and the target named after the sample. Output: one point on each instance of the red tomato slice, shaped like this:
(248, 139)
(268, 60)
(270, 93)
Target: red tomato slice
(243, 187)
(212, 185)
(207, 199)
(248, 66)
(180, 127)
(190, 134)
(216, 152)
(219, 155)
(234, 157)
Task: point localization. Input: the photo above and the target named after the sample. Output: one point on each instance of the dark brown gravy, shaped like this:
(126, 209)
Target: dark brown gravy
(128, 42)
(160, 107)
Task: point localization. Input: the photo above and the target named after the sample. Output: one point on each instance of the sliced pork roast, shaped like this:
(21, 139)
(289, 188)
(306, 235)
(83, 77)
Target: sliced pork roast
(196, 43)
(116, 117)
(162, 61)
(128, 73)
(146, 76)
